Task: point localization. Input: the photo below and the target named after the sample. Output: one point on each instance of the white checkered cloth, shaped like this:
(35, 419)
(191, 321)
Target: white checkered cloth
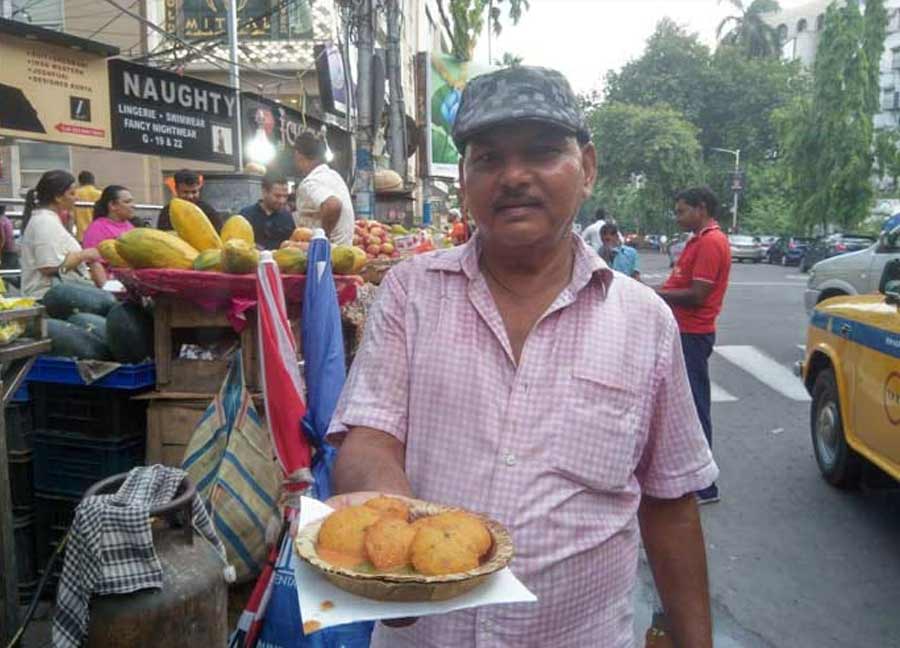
(110, 548)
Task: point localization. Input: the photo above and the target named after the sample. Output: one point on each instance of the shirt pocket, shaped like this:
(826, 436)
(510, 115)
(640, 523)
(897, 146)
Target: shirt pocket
(595, 430)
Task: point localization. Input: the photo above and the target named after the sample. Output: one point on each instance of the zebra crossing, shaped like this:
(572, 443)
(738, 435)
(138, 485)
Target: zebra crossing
(763, 368)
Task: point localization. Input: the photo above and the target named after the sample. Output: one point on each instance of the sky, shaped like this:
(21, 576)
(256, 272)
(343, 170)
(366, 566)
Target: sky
(586, 38)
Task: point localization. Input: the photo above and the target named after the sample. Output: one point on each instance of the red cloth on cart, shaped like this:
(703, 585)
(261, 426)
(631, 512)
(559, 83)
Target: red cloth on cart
(217, 291)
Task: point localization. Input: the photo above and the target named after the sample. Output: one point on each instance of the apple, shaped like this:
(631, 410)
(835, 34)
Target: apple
(373, 240)
(373, 249)
(378, 231)
(387, 248)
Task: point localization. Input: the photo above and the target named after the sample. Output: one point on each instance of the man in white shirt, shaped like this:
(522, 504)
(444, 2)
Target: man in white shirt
(323, 199)
(591, 233)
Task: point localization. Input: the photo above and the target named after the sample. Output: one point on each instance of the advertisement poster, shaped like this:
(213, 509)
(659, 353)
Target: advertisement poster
(447, 76)
(53, 94)
(261, 19)
(160, 113)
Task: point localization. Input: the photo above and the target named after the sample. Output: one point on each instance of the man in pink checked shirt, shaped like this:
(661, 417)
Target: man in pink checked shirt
(564, 410)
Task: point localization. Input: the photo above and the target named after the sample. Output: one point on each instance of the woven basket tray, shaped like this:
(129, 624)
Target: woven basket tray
(409, 587)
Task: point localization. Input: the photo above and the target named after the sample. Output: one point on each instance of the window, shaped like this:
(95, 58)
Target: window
(782, 33)
(887, 98)
(37, 157)
(801, 26)
(820, 22)
(895, 58)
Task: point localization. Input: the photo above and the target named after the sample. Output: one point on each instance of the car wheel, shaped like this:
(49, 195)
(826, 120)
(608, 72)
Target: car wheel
(838, 463)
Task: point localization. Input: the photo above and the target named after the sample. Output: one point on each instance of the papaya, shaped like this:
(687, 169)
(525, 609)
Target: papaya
(343, 259)
(107, 250)
(360, 259)
(238, 227)
(291, 260)
(239, 258)
(209, 261)
(143, 247)
(302, 234)
(193, 226)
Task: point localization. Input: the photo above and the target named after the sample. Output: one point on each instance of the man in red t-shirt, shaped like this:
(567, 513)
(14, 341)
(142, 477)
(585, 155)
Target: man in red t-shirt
(695, 290)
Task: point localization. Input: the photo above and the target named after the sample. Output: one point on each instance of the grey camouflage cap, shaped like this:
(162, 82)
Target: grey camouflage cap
(517, 94)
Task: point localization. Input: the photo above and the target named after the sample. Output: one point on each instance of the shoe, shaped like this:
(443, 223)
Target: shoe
(709, 495)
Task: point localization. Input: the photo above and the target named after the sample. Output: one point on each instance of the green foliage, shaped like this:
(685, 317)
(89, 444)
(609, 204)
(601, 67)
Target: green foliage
(887, 155)
(767, 205)
(463, 21)
(749, 33)
(828, 140)
(509, 60)
(646, 155)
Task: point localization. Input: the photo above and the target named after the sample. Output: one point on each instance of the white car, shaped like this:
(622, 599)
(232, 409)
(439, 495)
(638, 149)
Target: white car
(857, 273)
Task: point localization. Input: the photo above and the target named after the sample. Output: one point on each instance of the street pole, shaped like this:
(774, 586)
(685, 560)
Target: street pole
(397, 144)
(363, 186)
(734, 208)
(234, 79)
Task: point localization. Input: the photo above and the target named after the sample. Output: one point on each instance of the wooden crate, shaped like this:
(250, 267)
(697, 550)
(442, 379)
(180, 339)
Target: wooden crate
(171, 420)
(182, 375)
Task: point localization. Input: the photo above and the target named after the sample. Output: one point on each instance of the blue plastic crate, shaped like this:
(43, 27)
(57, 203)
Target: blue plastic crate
(64, 371)
(68, 464)
(21, 395)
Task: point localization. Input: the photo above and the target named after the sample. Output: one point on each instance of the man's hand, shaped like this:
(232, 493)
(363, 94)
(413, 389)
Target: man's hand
(673, 539)
(346, 500)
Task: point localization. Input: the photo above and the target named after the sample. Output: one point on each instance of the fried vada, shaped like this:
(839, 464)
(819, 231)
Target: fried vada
(344, 533)
(389, 506)
(469, 527)
(437, 551)
(388, 542)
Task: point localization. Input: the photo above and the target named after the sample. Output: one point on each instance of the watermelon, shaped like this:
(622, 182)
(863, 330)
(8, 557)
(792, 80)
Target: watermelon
(91, 323)
(129, 333)
(71, 297)
(71, 341)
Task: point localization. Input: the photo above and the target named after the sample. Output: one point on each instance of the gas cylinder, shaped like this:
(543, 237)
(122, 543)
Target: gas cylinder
(191, 609)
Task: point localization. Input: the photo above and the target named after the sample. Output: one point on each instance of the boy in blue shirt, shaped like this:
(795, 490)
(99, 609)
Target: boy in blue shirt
(618, 255)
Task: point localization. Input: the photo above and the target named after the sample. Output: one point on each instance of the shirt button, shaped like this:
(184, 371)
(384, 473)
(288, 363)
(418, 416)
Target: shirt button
(510, 459)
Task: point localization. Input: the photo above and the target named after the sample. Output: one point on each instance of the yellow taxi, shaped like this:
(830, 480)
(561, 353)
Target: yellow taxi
(852, 372)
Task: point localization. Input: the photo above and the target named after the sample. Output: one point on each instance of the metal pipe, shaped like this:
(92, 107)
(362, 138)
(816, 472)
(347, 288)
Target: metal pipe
(363, 186)
(234, 80)
(397, 108)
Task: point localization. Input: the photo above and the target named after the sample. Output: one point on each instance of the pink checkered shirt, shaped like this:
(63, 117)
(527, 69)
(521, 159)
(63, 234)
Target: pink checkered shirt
(558, 448)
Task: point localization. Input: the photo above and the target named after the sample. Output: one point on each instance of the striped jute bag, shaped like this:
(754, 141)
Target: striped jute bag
(230, 459)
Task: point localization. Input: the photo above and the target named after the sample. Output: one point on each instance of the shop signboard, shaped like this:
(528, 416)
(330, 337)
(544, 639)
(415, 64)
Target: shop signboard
(257, 19)
(52, 93)
(161, 113)
(446, 78)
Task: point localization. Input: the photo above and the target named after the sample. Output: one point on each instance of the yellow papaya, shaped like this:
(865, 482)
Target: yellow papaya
(291, 260)
(360, 259)
(343, 259)
(239, 258)
(107, 250)
(144, 247)
(238, 227)
(209, 261)
(193, 226)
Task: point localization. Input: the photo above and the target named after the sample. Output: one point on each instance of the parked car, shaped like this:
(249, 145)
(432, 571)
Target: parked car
(767, 241)
(850, 370)
(788, 250)
(651, 242)
(833, 245)
(676, 247)
(856, 273)
(746, 248)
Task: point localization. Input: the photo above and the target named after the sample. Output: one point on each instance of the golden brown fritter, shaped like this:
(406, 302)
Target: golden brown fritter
(470, 528)
(388, 542)
(389, 506)
(437, 551)
(344, 531)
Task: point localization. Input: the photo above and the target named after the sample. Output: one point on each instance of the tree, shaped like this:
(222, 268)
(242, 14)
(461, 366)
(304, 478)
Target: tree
(463, 21)
(673, 70)
(646, 155)
(749, 32)
(827, 139)
(509, 60)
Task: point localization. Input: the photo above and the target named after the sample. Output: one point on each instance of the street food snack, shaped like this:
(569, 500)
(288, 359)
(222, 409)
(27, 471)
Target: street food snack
(438, 553)
(438, 550)
(390, 506)
(388, 542)
(342, 538)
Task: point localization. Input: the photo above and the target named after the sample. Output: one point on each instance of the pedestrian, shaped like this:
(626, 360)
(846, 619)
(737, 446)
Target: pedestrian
(458, 232)
(573, 452)
(187, 187)
(272, 222)
(591, 233)
(86, 192)
(695, 290)
(113, 212)
(9, 257)
(617, 255)
(49, 251)
(323, 199)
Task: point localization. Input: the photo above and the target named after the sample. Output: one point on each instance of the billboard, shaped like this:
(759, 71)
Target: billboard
(160, 113)
(260, 19)
(51, 93)
(446, 78)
